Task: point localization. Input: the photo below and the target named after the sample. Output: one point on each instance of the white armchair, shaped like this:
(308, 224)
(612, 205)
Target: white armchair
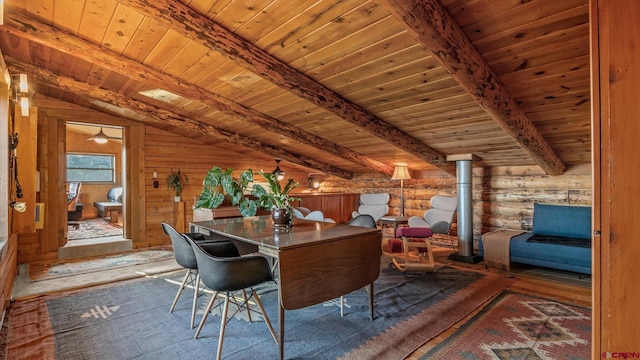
(376, 205)
(439, 217)
(316, 215)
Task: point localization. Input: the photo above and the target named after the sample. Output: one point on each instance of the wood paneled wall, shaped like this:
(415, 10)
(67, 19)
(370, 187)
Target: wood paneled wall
(165, 151)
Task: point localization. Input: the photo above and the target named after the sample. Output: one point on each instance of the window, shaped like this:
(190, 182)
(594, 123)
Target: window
(91, 167)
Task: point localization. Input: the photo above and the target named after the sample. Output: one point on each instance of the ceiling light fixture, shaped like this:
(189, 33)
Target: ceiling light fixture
(100, 137)
(279, 173)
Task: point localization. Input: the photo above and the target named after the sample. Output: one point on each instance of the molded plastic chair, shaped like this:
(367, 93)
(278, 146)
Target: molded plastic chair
(185, 257)
(408, 239)
(226, 275)
(376, 205)
(363, 220)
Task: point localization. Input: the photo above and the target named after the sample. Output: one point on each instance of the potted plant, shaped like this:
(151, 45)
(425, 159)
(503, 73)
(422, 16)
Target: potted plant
(174, 181)
(218, 183)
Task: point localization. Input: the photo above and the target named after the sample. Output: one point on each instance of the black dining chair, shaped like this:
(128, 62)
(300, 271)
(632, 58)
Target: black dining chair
(362, 220)
(185, 257)
(226, 275)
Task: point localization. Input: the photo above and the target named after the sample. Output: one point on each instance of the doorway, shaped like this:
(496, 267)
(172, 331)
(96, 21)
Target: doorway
(95, 164)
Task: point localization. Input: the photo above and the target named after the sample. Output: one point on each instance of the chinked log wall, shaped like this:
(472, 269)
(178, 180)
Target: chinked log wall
(503, 197)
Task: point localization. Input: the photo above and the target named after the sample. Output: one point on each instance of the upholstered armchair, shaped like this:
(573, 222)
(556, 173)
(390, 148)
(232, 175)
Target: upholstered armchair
(439, 217)
(376, 205)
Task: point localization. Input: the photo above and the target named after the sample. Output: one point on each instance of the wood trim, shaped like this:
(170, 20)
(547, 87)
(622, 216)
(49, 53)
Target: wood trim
(135, 173)
(597, 176)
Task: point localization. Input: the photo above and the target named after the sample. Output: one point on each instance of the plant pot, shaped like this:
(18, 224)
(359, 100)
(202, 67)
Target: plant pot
(282, 217)
(177, 198)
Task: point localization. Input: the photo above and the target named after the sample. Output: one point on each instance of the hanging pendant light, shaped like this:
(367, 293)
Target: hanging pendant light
(101, 137)
(279, 173)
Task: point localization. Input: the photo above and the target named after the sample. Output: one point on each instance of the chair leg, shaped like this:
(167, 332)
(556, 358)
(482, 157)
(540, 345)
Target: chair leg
(206, 313)
(196, 293)
(182, 286)
(246, 305)
(264, 315)
(341, 305)
(223, 325)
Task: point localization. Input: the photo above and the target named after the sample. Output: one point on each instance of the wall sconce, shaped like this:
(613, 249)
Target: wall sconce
(401, 172)
(19, 206)
(155, 180)
(20, 92)
(312, 182)
(279, 173)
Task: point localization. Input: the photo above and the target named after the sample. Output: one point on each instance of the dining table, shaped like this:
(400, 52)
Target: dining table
(313, 261)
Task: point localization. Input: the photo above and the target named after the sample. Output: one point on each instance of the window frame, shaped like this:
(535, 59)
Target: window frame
(113, 168)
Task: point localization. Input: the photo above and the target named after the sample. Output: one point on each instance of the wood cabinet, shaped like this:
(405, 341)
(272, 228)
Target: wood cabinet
(616, 129)
(337, 206)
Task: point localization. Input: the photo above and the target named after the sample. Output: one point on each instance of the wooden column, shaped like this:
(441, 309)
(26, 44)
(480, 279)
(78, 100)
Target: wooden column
(615, 27)
(25, 166)
(179, 214)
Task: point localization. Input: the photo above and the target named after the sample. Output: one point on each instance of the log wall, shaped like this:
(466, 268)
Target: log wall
(503, 197)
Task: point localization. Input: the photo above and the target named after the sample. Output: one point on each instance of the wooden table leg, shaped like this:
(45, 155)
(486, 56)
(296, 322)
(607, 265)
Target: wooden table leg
(281, 325)
(370, 290)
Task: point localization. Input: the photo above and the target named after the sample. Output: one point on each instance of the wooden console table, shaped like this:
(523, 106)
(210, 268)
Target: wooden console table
(337, 206)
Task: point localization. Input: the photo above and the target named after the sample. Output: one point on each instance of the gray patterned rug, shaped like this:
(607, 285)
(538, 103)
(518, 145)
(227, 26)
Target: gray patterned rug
(130, 320)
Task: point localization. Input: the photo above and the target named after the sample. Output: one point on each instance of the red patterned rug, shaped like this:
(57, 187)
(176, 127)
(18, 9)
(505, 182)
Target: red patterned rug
(94, 228)
(516, 326)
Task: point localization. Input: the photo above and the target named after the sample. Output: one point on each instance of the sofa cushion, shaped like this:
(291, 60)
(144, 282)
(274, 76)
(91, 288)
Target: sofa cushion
(560, 240)
(564, 257)
(115, 194)
(562, 220)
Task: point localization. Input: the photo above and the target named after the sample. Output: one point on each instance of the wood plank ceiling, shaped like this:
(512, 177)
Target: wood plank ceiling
(342, 87)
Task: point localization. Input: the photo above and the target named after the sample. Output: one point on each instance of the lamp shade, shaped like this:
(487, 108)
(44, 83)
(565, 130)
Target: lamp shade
(401, 172)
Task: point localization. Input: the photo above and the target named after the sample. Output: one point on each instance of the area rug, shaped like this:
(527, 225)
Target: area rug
(130, 320)
(516, 326)
(46, 270)
(94, 228)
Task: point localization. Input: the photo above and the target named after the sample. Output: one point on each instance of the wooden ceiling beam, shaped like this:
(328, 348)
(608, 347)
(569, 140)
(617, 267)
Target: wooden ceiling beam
(39, 32)
(431, 24)
(158, 114)
(197, 27)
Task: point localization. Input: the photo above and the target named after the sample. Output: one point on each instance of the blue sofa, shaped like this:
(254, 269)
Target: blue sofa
(560, 239)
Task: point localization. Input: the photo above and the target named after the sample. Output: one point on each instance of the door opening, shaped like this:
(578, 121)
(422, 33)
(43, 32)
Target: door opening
(94, 183)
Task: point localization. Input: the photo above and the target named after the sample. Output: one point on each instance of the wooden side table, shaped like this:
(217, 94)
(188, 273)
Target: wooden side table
(395, 221)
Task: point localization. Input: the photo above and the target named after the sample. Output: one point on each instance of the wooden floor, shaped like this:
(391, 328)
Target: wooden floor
(557, 285)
